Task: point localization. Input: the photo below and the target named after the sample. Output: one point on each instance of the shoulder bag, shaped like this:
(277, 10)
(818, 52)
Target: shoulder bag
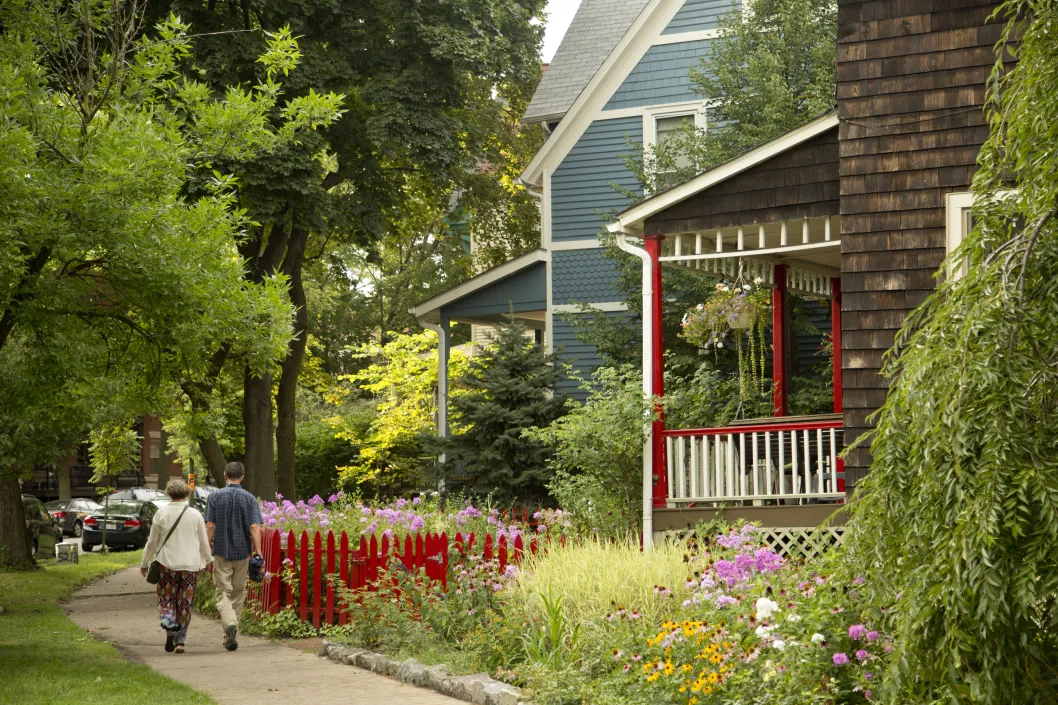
(154, 573)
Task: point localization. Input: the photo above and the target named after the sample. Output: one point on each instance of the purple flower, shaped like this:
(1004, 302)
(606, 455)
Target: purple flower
(417, 500)
(872, 635)
(332, 499)
(401, 503)
(862, 655)
(868, 675)
(840, 659)
(867, 693)
(857, 632)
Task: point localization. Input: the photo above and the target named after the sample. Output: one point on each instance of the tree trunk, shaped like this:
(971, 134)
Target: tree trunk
(257, 419)
(14, 546)
(215, 459)
(286, 397)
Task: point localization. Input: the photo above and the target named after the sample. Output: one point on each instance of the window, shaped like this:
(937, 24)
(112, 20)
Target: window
(662, 124)
(959, 224)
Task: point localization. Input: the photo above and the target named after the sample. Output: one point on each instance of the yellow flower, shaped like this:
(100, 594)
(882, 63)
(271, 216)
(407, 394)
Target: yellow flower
(713, 678)
(669, 669)
(715, 658)
(686, 668)
(653, 677)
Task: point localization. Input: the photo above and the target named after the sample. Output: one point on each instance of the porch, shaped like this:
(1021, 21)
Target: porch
(769, 220)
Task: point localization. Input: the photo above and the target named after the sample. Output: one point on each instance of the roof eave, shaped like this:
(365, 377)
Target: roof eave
(429, 310)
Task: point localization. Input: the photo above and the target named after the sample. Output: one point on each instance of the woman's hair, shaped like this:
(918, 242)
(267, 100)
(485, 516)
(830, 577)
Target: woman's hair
(177, 489)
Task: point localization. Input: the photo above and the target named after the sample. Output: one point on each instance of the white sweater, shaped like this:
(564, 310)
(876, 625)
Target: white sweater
(187, 549)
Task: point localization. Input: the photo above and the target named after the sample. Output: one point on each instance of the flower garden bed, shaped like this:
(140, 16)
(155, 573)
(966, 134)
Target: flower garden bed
(713, 619)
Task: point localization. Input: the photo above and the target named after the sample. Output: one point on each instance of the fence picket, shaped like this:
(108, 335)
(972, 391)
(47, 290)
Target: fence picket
(292, 556)
(273, 566)
(303, 578)
(343, 575)
(329, 614)
(372, 561)
(317, 579)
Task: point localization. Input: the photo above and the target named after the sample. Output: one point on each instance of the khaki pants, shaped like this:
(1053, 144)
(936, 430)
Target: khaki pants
(229, 580)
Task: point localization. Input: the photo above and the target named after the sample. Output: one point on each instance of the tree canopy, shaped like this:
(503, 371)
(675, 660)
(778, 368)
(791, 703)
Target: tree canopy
(115, 283)
(956, 525)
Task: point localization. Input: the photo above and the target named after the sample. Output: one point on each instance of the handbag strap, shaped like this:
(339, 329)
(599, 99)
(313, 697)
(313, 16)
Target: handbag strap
(171, 530)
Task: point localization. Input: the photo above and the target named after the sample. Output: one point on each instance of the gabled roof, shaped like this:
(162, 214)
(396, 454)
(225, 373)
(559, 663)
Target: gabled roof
(596, 29)
(429, 309)
(631, 219)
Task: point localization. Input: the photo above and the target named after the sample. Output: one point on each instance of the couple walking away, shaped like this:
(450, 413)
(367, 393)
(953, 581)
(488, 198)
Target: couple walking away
(179, 547)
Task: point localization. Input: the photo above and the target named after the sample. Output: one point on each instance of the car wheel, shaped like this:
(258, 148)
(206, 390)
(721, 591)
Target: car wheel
(78, 529)
(86, 548)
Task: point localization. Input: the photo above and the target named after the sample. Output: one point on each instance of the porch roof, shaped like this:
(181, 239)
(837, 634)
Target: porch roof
(518, 287)
(784, 186)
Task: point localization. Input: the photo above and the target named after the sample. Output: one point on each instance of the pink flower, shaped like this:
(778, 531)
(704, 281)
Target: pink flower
(857, 632)
(862, 655)
(872, 635)
(840, 659)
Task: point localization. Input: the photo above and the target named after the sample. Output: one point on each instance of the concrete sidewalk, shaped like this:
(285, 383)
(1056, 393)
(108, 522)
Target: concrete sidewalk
(123, 610)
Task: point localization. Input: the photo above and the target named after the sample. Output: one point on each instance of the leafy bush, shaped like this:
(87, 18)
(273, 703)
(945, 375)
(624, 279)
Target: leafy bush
(319, 454)
(598, 447)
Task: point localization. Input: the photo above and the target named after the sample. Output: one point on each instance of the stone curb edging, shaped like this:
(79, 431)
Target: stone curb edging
(478, 689)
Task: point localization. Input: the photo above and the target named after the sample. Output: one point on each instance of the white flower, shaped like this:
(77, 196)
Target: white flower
(818, 638)
(763, 632)
(746, 287)
(794, 618)
(778, 644)
(766, 608)
(719, 344)
(758, 280)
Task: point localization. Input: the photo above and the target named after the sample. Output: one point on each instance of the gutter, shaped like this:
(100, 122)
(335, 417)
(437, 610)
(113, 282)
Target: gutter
(621, 239)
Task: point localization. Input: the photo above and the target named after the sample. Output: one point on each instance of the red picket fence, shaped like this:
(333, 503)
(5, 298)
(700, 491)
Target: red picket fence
(317, 560)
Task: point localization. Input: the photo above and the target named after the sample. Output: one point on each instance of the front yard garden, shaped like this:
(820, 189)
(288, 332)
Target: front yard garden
(713, 618)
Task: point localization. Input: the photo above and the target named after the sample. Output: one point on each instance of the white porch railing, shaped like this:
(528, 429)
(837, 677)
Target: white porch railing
(792, 463)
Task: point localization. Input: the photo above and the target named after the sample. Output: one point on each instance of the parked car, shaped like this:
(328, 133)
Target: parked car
(137, 494)
(41, 530)
(202, 493)
(129, 524)
(69, 514)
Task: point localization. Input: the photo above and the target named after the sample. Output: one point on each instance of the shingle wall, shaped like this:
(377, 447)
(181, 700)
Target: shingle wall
(580, 186)
(697, 15)
(582, 276)
(662, 76)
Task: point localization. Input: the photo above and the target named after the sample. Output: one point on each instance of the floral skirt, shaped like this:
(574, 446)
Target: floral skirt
(176, 592)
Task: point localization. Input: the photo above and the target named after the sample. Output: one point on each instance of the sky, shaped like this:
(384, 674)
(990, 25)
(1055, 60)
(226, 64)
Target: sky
(559, 15)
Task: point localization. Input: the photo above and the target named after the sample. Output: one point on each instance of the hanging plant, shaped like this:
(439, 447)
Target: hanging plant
(738, 314)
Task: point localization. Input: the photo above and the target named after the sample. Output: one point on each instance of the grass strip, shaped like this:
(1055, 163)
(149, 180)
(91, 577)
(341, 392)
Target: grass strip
(46, 659)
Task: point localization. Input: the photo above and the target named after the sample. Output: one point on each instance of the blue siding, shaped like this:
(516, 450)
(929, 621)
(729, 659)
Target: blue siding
(522, 291)
(583, 358)
(583, 276)
(580, 186)
(700, 14)
(662, 76)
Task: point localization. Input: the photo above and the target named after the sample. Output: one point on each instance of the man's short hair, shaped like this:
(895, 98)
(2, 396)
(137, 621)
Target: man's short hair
(234, 471)
(177, 489)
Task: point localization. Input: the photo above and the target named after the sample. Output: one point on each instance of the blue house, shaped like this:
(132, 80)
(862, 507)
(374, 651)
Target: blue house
(621, 73)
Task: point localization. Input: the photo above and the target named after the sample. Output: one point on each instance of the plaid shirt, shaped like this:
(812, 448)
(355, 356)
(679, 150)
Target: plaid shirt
(232, 510)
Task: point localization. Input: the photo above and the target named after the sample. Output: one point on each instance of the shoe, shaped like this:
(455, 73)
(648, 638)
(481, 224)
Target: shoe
(179, 648)
(170, 642)
(229, 637)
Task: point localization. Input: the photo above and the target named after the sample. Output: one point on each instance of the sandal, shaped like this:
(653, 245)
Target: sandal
(179, 648)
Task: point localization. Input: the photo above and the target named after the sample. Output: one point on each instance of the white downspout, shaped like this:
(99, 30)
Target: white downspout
(442, 380)
(648, 376)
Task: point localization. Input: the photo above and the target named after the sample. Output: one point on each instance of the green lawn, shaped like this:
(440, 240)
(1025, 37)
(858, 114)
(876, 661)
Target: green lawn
(47, 659)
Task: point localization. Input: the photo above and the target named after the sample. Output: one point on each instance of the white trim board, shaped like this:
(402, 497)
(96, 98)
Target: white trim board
(612, 306)
(480, 281)
(564, 245)
(695, 36)
(643, 110)
(631, 220)
(644, 33)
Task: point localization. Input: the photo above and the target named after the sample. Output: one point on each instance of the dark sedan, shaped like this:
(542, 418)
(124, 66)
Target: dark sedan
(69, 514)
(128, 524)
(40, 528)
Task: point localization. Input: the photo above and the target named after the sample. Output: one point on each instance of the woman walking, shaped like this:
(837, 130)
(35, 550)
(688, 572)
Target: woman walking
(179, 544)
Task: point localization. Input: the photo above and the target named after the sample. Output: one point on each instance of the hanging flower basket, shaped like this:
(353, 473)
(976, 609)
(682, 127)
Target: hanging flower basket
(737, 313)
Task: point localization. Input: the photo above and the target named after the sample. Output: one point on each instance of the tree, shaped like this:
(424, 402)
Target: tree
(401, 379)
(419, 77)
(955, 527)
(770, 70)
(598, 452)
(508, 388)
(114, 450)
(115, 283)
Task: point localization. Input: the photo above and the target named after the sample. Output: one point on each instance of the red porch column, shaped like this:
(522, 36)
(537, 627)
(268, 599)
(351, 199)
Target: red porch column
(835, 339)
(778, 341)
(652, 244)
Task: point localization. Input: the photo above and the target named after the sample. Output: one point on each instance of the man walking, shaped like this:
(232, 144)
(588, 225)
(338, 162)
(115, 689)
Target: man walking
(233, 522)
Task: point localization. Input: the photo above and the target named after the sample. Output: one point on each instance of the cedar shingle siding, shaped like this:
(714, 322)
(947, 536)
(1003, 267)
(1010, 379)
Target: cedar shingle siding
(800, 183)
(911, 80)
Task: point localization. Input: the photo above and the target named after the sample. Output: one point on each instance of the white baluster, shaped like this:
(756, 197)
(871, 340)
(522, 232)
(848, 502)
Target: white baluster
(760, 236)
(804, 231)
(826, 229)
(782, 463)
(756, 464)
(719, 241)
(681, 467)
(783, 234)
(834, 460)
(767, 463)
(730, 465)
(808, 464)
(741, 465)
(707, 484)
(819, 459)
(669, 463)
(795, 476)
(694, 466)
(741, 239)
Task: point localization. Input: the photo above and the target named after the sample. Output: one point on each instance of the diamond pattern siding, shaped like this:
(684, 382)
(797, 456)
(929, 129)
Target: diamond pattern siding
(582, 276)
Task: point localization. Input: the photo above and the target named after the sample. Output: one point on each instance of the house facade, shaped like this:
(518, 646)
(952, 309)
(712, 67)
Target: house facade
(621, 76)
(858, 207)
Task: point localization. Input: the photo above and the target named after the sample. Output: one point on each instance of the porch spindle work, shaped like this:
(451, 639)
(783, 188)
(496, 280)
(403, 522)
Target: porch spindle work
(793, 463)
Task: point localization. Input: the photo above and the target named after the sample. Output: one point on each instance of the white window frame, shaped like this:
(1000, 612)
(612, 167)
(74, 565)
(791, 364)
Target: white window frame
(651, 115)
(958, 207)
